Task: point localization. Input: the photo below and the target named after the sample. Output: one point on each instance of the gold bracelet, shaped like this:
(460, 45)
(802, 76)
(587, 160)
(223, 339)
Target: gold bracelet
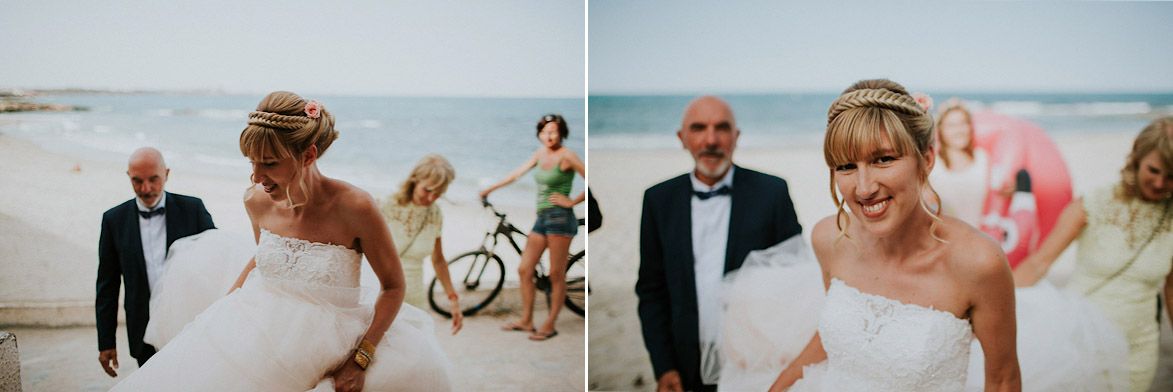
(362, 360)
(364, 354)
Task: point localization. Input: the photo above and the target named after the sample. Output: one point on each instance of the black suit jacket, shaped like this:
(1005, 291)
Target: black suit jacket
(120, 260)
(762, 215)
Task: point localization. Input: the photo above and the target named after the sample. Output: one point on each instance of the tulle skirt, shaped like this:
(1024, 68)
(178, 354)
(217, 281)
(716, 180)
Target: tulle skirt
(199, 270)
(278, 335)
(772, 306)
(1064, 344)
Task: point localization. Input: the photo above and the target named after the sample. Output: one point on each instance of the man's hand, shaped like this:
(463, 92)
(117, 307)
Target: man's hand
(669, 382)
(106, 357)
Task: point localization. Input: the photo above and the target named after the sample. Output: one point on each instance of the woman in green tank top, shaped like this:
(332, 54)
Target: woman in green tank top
(556, 224)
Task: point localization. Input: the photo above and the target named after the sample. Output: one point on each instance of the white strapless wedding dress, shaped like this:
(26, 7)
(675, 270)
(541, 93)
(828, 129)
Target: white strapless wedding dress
(297, 317)
(875, 343)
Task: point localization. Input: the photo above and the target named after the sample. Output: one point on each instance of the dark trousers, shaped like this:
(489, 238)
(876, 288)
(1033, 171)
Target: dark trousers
(147, 352)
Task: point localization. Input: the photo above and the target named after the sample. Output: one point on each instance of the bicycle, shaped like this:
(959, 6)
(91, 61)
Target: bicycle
(478, 275)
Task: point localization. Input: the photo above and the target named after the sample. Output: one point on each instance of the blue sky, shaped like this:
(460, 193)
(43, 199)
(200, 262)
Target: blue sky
(511, 48)
(662, 47)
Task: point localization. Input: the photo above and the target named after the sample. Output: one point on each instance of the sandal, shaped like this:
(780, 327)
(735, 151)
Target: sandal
(515, 327)
(540, 337)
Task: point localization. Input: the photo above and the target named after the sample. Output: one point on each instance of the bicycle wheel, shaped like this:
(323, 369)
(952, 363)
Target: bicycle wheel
(477, 279)
(576, 284)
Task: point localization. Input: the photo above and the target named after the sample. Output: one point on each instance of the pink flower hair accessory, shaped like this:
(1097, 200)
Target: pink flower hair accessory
(924, 100)
(313, 108)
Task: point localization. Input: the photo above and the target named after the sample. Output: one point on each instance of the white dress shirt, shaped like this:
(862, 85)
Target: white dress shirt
(710, 234)
(154, 236)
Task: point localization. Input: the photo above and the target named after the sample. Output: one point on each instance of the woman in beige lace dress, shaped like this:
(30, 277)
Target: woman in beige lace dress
(416, 224)
(1125, 246)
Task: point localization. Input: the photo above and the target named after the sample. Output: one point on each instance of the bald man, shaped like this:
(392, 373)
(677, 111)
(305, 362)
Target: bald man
(696, 228)
(133, 245)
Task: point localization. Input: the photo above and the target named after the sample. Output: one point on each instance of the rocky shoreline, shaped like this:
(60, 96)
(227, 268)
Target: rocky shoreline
(9, 106)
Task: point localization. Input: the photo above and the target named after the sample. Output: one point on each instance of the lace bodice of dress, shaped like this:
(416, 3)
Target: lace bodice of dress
(306, 261)
(882, 344)
(414, 228)
(1116, 230)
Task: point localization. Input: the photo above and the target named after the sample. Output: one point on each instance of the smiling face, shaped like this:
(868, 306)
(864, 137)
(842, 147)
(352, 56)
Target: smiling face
(549, 136)
(275, 175)
(709, 133)
(1154, 180)
(956, 132)
(882, 187)
(426, 192)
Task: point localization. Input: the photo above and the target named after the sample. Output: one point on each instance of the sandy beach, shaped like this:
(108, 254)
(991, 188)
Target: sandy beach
(50, 214)
(618, 359)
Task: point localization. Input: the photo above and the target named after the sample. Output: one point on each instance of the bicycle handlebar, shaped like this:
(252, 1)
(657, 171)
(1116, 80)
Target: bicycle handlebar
(486, 204)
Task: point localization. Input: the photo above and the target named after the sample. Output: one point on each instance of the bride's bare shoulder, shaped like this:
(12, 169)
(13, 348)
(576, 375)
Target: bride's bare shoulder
(972, 253)
(827, 242)
(354, 200)
(256, 201)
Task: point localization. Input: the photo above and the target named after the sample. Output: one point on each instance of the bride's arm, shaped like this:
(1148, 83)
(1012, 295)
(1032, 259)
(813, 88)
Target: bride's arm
(992, 312)
(374, 239)
(252, 263)
(252, 206)
(813, 353)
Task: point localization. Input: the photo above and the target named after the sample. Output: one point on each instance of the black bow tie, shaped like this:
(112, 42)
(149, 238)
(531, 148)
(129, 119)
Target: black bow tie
(149, 214)
(724, 190)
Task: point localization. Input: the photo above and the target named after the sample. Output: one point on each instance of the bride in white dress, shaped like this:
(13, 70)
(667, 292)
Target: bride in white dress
(907, 289)
(297, 318)
(774, 305)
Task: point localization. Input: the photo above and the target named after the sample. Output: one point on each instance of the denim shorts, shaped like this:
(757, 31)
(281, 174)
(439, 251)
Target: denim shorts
(557, 221)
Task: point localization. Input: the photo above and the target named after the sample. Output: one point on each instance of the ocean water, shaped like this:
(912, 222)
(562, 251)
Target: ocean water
(380, 138)
(773, 120)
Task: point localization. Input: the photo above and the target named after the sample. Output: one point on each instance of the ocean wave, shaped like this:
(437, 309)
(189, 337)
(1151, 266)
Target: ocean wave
(365, 124)
(220, 160)
(70, 125)
(1082, 109)
(655, 141)
(216, 114)
(669, 141)
(1018, 108)
(223, 114)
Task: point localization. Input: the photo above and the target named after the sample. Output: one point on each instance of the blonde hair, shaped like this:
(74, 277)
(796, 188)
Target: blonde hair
(968, 148)
(432, 168)
(857, 123)
(281, 127)
(1157, 136)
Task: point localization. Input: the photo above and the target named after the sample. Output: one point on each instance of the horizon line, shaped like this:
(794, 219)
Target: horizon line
(216, 91)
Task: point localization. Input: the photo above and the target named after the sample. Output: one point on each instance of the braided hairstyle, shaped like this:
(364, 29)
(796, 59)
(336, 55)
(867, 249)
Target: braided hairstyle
(281, 128)
(859, 121)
